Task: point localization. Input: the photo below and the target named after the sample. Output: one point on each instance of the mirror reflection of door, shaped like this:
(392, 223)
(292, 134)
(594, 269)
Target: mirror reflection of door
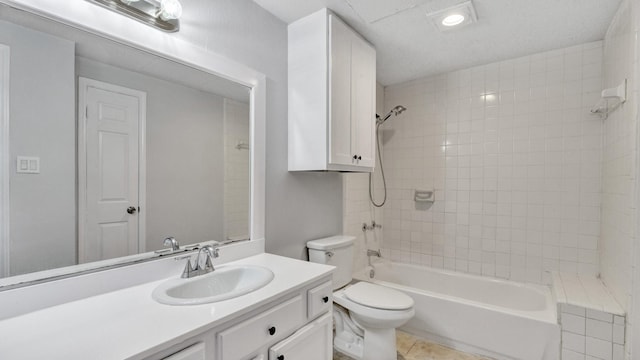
(194, 163)
(111, 119)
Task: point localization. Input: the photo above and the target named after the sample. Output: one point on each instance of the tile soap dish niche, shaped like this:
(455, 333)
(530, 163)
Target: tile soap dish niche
(611, 99)
(424, 196)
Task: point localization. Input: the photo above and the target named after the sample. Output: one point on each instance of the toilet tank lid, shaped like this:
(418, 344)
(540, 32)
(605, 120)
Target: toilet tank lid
(333, 242)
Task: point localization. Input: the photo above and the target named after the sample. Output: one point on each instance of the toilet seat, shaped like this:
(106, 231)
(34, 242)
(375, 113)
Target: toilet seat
(378, 297)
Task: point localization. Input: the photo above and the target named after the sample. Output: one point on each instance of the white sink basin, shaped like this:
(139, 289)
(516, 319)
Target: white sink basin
(226, 282)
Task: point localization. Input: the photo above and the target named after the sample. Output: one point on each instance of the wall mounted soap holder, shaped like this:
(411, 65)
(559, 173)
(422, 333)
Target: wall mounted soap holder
(611, 99)
(425, 196)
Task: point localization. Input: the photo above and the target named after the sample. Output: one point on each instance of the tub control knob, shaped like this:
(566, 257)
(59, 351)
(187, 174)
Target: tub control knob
(272, 330)
(325, 299)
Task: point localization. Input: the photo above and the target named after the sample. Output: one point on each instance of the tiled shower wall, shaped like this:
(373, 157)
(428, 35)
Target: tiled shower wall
(514, 156)
(619, 243)
(619, 160)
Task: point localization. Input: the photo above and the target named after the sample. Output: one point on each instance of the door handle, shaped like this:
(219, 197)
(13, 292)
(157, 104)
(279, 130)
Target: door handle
(131, 210)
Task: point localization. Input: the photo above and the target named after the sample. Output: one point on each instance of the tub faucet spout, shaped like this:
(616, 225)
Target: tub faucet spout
(374, 253)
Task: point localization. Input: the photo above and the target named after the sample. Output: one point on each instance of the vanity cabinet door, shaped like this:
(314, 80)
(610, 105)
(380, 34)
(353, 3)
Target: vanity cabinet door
(193, 352)
(244, 340)
(312, 342)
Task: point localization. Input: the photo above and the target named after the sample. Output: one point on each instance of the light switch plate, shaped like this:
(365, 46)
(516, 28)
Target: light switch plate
(28, 165)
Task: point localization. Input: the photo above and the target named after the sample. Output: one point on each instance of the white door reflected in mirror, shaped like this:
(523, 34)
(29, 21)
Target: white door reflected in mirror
(109, 138)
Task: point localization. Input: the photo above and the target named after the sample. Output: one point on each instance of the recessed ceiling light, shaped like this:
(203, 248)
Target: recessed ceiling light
(453, 20)
(453, 17)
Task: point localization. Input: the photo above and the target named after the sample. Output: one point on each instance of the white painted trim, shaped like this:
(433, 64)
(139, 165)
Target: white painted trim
(5, 167)
(94, 19)
(83, 85)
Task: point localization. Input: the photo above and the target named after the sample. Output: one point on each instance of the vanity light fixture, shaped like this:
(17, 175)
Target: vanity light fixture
(454, 17)
(161, 14)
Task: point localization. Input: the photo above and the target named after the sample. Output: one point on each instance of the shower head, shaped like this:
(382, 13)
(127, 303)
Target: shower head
(395, 111)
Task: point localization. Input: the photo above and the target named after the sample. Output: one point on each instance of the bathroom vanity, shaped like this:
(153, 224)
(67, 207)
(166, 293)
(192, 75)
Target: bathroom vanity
(286, 318)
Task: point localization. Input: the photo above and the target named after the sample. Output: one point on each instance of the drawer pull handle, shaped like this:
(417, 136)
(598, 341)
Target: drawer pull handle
(325, 299)
(281, 357)
(272, 330)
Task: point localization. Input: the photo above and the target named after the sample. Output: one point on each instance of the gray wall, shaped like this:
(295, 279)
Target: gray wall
(300, 207)
(185, 156)
(42, 106)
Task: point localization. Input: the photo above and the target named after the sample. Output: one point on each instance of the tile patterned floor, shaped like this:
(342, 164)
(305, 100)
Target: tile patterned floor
(414, 348)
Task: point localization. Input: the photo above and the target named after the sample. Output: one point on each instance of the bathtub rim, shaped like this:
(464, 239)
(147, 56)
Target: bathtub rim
(547, 315)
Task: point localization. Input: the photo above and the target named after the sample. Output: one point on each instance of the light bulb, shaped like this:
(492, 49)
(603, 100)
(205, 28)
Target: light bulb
(453, 20)
(170, 9)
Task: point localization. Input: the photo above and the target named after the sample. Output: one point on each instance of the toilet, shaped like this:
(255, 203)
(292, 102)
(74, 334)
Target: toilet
(366, 315)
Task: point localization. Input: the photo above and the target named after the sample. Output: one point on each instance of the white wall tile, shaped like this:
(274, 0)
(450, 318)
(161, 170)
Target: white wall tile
(573, 342)
(599, 348)
(515, 162)
(600, 329)
(573, 323)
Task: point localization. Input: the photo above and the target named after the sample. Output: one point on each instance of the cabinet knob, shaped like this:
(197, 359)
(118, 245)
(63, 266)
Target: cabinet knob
(281, 357)
(355, 157)
(359, 157)
(272, 330)
(325, 299)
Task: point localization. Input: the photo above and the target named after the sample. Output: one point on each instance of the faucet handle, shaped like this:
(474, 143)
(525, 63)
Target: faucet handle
(208, 265)
(188, 271)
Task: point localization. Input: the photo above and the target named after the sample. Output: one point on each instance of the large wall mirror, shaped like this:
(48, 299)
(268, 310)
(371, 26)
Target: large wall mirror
(111, 149)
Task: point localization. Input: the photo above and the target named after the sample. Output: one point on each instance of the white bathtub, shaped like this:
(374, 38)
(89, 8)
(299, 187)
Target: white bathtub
(495, 318)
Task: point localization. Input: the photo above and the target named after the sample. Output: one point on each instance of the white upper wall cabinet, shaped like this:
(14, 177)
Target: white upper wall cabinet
(332, 96)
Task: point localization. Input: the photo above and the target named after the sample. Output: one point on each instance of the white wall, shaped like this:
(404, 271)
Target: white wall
(514, 156)
(185, 156)
(619, 241)
(619, 161)
(237, 186)
(300, 206)
(42, 124)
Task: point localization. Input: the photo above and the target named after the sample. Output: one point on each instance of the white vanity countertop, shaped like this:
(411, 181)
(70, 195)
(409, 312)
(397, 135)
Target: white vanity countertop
(129, 324)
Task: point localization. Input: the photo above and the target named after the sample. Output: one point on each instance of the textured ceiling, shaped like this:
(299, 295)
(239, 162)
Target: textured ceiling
(409, 46)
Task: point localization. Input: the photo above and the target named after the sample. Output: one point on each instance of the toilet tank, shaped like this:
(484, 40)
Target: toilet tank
(336, 251)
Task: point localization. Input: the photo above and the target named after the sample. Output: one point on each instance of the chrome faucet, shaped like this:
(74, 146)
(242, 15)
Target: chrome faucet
(371, 253)
(374, 253)
(171, 241)
(191, 270)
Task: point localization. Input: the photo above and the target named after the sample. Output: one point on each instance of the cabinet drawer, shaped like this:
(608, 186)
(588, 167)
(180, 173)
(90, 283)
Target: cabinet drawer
(319, 299)
(274, 324)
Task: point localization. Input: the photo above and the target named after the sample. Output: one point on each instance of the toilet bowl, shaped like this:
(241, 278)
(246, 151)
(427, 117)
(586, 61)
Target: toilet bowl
(366, 315)
(372, 333)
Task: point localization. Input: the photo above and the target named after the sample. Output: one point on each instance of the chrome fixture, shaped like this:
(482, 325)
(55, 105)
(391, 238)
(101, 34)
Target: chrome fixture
(371, 227)
(379, 121)
(161, 14)
(192, 271)
(375, 253)
(371, 253)
(171, 242)
(395, 111)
